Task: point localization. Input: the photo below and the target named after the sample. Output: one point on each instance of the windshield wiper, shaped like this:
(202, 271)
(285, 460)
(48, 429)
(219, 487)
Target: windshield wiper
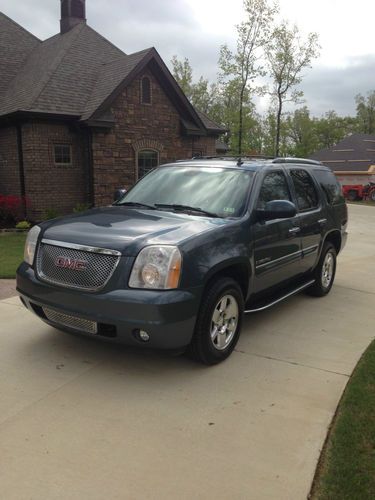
(135, 205)
(185, 208)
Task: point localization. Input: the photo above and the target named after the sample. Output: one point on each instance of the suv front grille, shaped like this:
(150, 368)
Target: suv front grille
(75, 266)
(80, 324)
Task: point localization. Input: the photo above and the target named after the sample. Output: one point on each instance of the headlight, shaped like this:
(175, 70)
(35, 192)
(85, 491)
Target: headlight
(157, 267)
(30, 245)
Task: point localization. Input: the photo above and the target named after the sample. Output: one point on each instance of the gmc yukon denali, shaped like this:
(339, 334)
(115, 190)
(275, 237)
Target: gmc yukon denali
(178, 259)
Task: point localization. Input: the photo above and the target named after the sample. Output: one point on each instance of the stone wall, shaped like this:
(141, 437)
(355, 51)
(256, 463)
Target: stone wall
(140, 126)
(9, 169)
(50, 186)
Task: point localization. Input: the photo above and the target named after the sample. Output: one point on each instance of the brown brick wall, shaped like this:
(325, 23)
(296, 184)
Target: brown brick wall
(138, 126)
(50, 186)
(9, 169)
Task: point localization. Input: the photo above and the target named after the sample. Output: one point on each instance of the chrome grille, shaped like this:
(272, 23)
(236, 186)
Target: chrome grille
(73, 322)
(98, 265)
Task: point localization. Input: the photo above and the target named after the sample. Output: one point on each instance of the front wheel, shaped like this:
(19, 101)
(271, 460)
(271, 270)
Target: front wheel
(325, 272)
(219, 322)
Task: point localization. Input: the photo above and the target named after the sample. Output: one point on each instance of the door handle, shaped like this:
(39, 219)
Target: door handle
(322, 222)
(294, 230)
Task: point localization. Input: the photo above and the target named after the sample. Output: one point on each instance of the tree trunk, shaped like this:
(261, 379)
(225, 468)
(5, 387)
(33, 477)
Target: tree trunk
(241, 123)
(278, 126)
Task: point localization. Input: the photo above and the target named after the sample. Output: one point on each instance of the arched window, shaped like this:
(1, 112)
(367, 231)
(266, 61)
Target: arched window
(147, 160)
(78, 9)
(145, 90)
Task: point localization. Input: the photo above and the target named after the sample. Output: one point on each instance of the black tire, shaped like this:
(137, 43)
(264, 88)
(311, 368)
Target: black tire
(352, 195)
(372, 195)
(320, 288)
(202, 347)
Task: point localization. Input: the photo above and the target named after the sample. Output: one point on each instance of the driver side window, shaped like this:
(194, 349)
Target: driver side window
(274, 187)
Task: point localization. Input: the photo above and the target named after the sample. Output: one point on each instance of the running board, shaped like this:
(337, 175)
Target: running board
(279, 299)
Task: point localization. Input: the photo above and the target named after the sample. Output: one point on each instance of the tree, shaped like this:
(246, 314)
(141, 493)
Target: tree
(287, 55)
(331, 129)
(366, 112)
(201, 94)
(239, 69)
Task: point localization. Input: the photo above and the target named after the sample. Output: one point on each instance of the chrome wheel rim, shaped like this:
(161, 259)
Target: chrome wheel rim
(224, 322)
(327, 269)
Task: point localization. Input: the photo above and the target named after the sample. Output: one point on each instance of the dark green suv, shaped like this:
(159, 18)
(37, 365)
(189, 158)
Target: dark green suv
(177, 261)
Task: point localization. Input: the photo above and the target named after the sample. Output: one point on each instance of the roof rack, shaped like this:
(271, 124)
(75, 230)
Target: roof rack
(304, 161)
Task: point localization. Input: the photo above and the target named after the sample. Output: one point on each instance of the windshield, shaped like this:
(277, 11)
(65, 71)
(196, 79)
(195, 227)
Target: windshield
(219, 191)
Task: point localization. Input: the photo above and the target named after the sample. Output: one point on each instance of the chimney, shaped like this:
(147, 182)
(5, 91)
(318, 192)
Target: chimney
(73, 12)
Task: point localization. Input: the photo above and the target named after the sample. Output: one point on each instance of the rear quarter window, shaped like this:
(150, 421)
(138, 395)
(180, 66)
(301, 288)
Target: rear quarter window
(330, 187)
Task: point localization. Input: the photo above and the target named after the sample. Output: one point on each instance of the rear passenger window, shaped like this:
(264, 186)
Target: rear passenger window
(274, 187)
(307, 196)
(330, 186)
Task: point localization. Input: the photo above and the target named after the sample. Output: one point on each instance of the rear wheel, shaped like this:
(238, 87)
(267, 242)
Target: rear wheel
(372, 195)
(352, 195)
(325, 271)
(219, 322)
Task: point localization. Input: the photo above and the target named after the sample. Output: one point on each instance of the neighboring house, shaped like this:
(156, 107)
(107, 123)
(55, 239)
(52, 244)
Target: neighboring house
(79, 118)
(352, 159)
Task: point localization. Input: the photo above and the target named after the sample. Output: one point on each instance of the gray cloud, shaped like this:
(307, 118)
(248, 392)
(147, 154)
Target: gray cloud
(170, 26)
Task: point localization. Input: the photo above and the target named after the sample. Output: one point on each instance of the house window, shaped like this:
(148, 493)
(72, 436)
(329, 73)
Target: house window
(145, 90)
(147, 160)
(63, 154)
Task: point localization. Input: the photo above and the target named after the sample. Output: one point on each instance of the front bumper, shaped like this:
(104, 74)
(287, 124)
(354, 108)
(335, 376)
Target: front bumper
(167, 316)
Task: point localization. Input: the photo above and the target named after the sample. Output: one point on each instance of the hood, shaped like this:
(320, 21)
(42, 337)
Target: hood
(127, 229)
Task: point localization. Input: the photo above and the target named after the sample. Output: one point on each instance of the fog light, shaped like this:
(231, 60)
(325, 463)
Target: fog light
(142, 335)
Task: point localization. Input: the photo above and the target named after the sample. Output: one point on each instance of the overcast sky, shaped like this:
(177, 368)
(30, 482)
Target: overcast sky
(197, 28)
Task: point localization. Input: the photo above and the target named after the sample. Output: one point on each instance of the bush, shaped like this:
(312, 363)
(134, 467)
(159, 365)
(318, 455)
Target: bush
(12, 209)
(50, 213)
(81, 207)
(24, 225)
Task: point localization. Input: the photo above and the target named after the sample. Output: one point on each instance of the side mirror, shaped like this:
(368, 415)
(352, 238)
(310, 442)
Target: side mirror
(277, 209)
(119, 193)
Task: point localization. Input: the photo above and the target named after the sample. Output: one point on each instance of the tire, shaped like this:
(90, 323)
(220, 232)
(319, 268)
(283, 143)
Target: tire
(352, 195)
(208, 346)
(372, 195)
(324, 272)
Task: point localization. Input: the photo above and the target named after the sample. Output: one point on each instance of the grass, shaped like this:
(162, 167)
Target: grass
(347, 465)
(11, 253)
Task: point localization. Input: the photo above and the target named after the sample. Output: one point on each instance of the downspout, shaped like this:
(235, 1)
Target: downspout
(21, 167)
(90, 167)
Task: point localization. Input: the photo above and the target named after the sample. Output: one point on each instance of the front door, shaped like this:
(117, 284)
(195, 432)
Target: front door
(277, 245)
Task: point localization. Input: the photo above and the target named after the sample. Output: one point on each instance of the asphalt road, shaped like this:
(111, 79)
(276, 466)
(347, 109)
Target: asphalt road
(80, 419)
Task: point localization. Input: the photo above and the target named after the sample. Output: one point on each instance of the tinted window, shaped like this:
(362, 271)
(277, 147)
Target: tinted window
(215, 189)
(307, 196)
(274, 187)
(330, 186)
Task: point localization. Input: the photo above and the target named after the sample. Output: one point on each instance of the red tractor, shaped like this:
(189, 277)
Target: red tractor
(359, 192)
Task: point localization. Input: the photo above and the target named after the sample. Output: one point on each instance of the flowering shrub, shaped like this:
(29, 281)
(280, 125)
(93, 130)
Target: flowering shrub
(11, 209)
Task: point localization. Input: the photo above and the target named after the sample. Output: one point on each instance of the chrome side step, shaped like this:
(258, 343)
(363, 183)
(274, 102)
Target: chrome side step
(280, 299)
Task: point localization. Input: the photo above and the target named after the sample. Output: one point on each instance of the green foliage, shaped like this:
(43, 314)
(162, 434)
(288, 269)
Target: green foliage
(50, 213)
(366, 113)
(24, 225)
(81, 207)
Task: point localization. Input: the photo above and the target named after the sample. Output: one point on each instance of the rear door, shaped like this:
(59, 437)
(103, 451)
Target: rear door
(312, 215)
(277, 246)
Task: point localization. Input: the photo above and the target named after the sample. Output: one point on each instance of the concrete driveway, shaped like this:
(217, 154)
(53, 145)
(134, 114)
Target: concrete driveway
(81, 419)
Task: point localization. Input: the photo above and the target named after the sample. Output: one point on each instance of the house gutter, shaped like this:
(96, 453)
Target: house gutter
(21, 167)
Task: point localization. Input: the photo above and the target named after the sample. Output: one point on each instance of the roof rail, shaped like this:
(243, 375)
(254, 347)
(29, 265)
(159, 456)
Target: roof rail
(304, 161)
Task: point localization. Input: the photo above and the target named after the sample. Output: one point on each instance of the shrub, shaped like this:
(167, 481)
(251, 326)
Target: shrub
(23, 225)
(12, 208)
(50, 213)
(81, 207)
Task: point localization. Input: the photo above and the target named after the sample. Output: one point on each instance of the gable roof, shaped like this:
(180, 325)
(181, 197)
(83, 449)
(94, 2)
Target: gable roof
(354, 153)
(79, 74)
(13, 54)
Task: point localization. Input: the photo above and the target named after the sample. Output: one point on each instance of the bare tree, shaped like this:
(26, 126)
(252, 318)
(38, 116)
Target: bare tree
(287, 55)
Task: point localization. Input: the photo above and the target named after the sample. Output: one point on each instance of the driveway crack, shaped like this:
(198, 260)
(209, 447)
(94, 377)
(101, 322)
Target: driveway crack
(294, 363)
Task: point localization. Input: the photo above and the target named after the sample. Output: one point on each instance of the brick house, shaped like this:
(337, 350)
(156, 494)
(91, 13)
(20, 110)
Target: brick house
(352, 159)
(79, 118)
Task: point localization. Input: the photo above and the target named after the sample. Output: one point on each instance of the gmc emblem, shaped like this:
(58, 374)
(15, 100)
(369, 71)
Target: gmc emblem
(75, 265)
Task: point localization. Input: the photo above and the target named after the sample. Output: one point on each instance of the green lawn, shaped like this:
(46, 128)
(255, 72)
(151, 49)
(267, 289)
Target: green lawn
(347, 466)
(11, 253)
